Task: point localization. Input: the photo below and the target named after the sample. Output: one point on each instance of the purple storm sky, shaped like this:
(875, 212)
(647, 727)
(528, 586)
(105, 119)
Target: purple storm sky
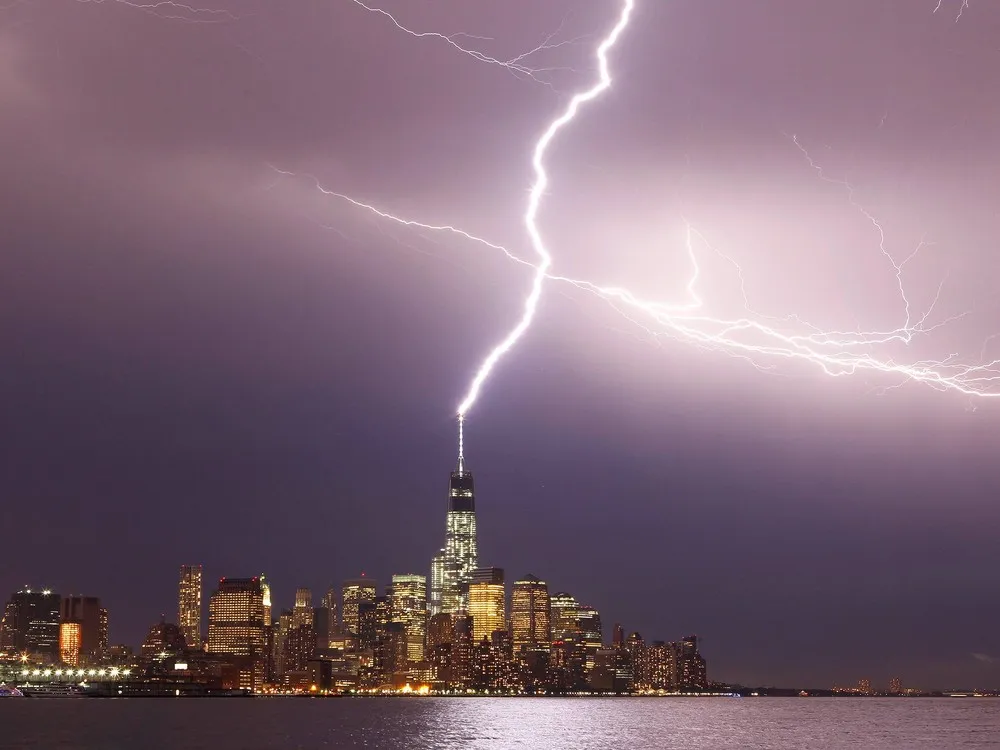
(205, 361)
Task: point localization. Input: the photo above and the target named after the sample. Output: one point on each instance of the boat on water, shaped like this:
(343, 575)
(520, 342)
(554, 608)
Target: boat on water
(51, 690)
(10, 692)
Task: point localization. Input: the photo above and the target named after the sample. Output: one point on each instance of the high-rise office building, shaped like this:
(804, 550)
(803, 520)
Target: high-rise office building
(691, 672)
(299, 641)
(85, 611)
(282, 629)
(530, 614)
(236, 618)
(895, 686)
(379, 615)
(637, 660)
(189, 605)
(326, 618)
(661, 666)
(565, 611)
(30, 624)
(354, 591)
(236, 627)
(302, 613)
(439, 574)
(409, 606)
(462, 648)
(487, 603)
(69, 643)
(439, 630)
(451, 569)
(102, 631)
(265, 587)
(588, 620)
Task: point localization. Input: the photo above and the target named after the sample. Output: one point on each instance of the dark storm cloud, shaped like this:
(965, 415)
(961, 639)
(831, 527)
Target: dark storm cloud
(196, 369)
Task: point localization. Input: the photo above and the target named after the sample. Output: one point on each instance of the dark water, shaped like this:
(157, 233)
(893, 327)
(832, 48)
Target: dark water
(550, 724)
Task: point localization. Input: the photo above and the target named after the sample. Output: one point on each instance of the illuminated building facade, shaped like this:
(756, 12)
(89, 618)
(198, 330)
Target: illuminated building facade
(588, 621)
(355, 591)
(487, 603)
(435, 596)
(302, 614)
(661, 666)
(164, 639)
(299, 636)
(30, 624)
(452, 568)
(409, 607)
(189, 604)
(86, 611)
(236, 627)
(69, 643)
(691, 673)
(530, 614)
(266, 589)
(102, 631)
(565, 611)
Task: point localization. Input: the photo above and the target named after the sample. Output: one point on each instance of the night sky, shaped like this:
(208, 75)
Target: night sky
(205, 361)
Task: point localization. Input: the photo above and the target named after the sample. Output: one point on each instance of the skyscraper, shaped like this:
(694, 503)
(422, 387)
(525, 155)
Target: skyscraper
(452, 567)
(299, 642)
(102, 631)
(409, 607)
(487, 603)
(302, 614)
(435, 595)
(530, 614)
(86, 612)
(691, 673)
(31, 624)
(69, 643)
(189, 605)
(661, 666)
(591, 633)
(265, 587)
(236, 617)
(564, 616)
(236, 626)
(354, 591)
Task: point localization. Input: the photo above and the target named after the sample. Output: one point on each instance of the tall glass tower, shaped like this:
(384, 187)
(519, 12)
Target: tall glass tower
(189, 605)
(452, 567)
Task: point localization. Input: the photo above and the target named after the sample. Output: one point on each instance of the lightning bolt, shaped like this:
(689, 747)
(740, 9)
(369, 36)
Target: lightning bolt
(534, 205)
(516, 65)
(835, 352)
(755, 338)
(961, 9)
(168, 10)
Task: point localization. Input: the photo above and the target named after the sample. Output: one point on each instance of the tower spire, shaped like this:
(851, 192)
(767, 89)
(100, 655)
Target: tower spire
(461, 443)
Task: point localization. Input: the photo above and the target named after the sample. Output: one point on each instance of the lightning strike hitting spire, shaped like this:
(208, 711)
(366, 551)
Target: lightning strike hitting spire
(534, 204)
(755, 338)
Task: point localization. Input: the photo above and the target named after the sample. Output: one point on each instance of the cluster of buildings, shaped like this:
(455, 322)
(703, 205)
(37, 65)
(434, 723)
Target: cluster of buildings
(48, 628)
(466, 629)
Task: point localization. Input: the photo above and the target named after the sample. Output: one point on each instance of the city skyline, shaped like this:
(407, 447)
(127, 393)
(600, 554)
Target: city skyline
(242, 622)
(213, 362)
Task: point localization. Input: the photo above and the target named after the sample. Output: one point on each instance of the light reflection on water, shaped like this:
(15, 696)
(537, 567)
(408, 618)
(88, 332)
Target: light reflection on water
(452, 723)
